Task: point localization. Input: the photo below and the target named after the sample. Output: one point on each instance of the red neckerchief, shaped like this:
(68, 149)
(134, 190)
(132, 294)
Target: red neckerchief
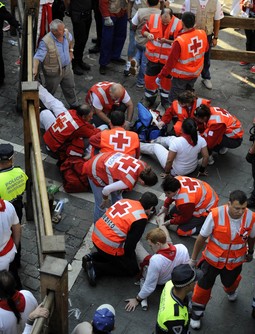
(2, 205)
(18, 299)
(169, 253)
(188, 138)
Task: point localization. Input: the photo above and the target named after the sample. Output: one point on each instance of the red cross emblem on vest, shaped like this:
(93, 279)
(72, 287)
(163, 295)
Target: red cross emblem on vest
(120, 141)
(119, 209)
(60, 123)
(190, 184)
(195, 46)
(127, 164)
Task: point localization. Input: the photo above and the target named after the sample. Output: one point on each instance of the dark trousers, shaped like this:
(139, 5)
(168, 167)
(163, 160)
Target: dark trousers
(228, 142)
(227, 277)
(250, 40)
(113, 39)
(98, 19)
(193, 226)
(206, 69)
(2, 73)
(110, 265)
(81, 26)
(179, 85)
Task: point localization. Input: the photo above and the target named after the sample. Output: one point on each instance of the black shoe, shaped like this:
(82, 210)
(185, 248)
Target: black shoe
(102, 69)
(94, 40)
(91, 273)
(86, 258)
(95, 49)
(119, 61)
(251, 202)
(77, 70)
(84, 66)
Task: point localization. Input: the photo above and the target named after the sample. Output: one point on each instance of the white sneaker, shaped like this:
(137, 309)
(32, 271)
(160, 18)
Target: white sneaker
(133, 67)
(195, 324)
(207, 83)
(233, 296)
(223, 150)
(127, 69)
(211, 160)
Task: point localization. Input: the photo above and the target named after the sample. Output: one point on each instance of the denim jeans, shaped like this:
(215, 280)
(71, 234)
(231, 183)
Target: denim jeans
(97, 191)
(142, 61)
(131, 44)
(206, 69)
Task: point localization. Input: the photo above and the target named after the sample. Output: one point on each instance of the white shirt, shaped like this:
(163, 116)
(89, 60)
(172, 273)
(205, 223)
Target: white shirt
(218, 13)
(98, 105)
(235, 224)
(186, 158)
(7, 219)
(160, 270)
(8, 321)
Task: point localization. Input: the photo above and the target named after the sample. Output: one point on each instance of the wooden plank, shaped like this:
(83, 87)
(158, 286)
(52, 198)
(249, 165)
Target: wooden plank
(54, 277)
(237, 22)
(233, 55)
(233, 22)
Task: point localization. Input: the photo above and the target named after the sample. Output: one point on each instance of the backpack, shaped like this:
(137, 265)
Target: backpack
(73, 180)
(144, 127)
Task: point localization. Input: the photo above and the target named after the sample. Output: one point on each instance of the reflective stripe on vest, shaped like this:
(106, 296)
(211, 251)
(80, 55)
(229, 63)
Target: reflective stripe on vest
(1, 5)
(156, 19)
(94, 171)
(221, 250)
(199, 102)
(191, 74)
(102, 92)
(107, 241)
(171, 310)
(157, 55)
(186, 61)
(174, 25)
(214, 258)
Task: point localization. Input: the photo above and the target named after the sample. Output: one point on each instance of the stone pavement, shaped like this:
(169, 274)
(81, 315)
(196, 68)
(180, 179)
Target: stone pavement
(233, 89)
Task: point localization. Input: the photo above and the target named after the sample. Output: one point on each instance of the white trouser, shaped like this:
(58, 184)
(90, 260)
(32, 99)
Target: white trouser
(51, 102)
(55, 107)
(6, 259)
(158, 149)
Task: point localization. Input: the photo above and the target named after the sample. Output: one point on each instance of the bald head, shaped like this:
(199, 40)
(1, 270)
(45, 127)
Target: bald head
(116, 91)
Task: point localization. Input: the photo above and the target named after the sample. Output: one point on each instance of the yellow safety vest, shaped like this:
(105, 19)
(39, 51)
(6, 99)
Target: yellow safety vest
(12, 183)
(169, 309)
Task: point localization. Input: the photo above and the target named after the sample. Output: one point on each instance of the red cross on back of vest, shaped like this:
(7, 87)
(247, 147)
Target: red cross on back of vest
(191, 184)
(195, 46)
(120, 141)
(119, 209)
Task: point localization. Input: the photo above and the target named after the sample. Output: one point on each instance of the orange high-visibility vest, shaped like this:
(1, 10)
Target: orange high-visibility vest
(197, 192)
(110, 231)
(181, 113)
(106, 168)
(191, 61)
(221, 251)
(156, 51)
(119, 140)
(101, 89)
(219, 115)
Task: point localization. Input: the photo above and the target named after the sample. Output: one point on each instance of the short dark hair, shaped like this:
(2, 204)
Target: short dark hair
(170, 183)
(148, 200)
(117, 118)
(148, 176)
(188, 19)
(83, 110)
(202, 111)
(186, 97)
(238, 195)
(152, 3)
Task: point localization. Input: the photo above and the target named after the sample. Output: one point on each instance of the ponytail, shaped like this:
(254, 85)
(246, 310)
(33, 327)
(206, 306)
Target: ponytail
(189, 127)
